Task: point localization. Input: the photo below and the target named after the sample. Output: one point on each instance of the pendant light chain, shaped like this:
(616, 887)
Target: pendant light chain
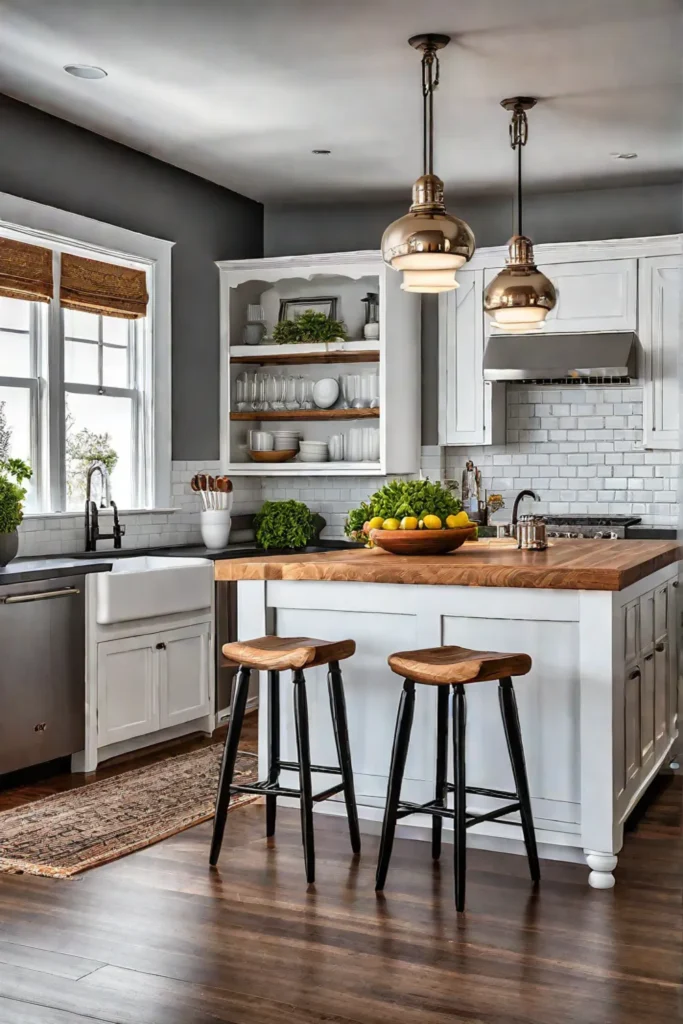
(430, 81)
(519, 134)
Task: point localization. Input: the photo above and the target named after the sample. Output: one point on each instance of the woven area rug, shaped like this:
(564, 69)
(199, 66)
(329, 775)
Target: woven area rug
(59, 836)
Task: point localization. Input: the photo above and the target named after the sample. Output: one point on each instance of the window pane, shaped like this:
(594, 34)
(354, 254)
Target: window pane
(99, 427)
(115, 367)
(81, 325)
(15, 355)
(115, 330)
(15, 313)
(80, 363)
(15, 432)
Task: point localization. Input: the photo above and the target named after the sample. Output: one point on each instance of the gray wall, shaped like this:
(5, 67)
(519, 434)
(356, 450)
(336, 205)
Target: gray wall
(551, 217)
(51, 161)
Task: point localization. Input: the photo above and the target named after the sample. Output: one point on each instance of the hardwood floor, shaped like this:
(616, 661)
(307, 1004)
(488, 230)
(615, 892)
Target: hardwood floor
(159, 938)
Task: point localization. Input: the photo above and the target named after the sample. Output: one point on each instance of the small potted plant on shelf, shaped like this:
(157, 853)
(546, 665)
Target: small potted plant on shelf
(308, 327)
(13, 472)
(287, 525)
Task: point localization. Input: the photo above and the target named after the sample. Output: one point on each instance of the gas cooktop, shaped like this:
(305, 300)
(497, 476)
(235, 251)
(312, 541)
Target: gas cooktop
(599, 527)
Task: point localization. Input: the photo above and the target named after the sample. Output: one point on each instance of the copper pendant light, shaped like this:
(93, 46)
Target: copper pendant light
(428, 245)
(520, 297)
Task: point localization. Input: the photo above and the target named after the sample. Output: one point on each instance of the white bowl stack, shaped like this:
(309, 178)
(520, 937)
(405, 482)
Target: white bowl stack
(286, 440)
(313, 451)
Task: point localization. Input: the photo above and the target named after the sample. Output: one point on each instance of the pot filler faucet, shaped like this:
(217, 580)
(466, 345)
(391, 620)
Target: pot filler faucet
(92, 523)
(522, 494)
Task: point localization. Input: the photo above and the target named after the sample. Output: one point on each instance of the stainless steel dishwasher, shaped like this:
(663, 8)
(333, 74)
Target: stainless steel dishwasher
(42, 671)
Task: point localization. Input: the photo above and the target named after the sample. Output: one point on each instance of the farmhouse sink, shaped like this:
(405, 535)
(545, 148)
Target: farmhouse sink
(145, 586)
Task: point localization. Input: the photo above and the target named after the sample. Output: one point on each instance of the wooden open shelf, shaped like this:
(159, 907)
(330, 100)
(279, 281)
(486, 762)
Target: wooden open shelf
(307, 414)
(293, 358)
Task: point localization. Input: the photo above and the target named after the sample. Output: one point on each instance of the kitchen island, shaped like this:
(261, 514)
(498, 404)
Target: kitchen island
(598, 709)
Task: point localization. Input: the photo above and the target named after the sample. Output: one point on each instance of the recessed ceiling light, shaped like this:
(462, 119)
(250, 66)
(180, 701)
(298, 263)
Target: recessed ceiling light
(624, 156)
(321, 152)
(84, 71)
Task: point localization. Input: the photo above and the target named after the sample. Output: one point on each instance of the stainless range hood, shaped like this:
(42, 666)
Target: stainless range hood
(604, 358)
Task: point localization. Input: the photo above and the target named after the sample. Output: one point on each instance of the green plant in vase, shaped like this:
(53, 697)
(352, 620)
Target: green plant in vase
(13, 473)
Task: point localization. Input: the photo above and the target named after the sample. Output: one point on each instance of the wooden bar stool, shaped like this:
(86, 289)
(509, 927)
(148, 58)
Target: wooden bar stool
(455, 667)
(278, 654)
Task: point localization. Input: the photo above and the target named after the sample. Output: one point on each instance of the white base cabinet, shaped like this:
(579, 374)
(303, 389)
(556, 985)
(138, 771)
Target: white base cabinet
(151, 682)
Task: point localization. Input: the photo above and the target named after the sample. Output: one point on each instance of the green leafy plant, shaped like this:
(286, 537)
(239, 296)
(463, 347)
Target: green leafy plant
(12, 494)
(284, 524)
(308, 326)
(401, 498)
(5, 434)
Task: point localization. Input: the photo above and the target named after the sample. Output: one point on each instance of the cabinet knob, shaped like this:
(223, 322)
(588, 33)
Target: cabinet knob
(659, 648)
(634, 674)
(40, 727)
(675, 583)
(161, 646)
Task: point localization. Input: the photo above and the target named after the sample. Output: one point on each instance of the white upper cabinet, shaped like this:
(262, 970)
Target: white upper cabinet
(601, 295)
(659, 330)
(471, 410)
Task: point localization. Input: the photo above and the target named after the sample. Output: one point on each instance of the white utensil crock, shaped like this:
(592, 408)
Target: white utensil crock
(215, 527)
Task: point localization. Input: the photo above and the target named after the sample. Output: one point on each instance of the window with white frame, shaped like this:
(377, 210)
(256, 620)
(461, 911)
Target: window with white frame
(78, 386)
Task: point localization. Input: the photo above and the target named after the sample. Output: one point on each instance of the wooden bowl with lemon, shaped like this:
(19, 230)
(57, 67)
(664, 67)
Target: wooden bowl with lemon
(425, 536)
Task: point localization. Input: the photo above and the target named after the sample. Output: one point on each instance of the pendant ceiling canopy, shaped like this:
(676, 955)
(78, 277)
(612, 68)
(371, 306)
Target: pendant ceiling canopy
(520, 297)
(428, 245)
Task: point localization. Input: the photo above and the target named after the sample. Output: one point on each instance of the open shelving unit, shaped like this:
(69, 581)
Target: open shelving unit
(396, 356)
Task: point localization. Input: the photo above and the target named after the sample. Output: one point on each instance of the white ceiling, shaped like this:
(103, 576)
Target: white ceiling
(241, 91)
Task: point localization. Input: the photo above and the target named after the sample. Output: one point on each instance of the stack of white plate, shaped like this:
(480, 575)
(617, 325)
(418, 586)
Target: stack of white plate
(313, 451)
(286, 440)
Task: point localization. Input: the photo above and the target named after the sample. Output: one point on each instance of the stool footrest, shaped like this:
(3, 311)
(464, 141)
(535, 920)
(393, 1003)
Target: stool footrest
(320, 769)
(272, 789)
(500, 794)
(405, 808)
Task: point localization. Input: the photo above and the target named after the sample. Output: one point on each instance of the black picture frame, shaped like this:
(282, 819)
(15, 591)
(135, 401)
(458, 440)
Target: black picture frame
(289, 308)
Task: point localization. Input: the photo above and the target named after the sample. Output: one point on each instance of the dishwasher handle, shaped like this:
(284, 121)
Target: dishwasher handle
(44, 595)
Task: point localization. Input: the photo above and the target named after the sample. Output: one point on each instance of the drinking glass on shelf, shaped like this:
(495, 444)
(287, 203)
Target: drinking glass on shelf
(335, 447)
(261, 401)
(290, 398)
(344, 388)
(354, 445)
(370, 389)
(304, 393)
(356, 397)
(278, 390)
(370, 444)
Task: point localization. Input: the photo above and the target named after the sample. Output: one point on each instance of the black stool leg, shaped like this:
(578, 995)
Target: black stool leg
(399, 754)
(441, 792)
(305, 785)
(239, 703)
(460, 821)
(341, 737)
(273, 747)
(513, 735)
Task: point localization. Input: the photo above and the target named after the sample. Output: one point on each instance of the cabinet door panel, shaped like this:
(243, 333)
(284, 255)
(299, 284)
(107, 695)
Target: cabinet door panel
(632, 723)
(631, 638)
(184, 674)
(471, 411)
(647, 709)
(661, 660)
(600, 295)
(659, 330)
(127, 688)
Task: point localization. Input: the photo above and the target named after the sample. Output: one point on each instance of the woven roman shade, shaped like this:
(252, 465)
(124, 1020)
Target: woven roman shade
(96, 287)
(25, 271)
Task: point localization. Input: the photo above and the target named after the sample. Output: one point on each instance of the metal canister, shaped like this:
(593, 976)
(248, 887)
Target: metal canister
(531, 533)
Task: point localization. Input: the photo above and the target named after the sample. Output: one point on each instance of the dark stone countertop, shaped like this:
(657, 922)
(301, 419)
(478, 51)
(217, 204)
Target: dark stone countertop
(27, 570)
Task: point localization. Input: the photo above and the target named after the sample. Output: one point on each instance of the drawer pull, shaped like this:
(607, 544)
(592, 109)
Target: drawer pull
(650, 656)
(161, 646)
(659, 648)
(40, 727)
(635, 674)
(44, 595)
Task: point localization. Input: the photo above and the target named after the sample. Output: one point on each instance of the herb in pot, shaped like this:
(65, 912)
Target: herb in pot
(306, 327)
(401, 498)
(285, 524)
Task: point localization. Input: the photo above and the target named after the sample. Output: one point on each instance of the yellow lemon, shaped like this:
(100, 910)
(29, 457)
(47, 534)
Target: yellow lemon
(409, 523)
(432, 522)
(459, 520)
(390, 524)
(376, 523)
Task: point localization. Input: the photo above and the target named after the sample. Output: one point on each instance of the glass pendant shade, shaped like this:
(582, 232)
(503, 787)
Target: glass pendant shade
(520, 297)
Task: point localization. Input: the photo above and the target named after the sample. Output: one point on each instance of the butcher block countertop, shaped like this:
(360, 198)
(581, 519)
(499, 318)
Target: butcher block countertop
(565, 565)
